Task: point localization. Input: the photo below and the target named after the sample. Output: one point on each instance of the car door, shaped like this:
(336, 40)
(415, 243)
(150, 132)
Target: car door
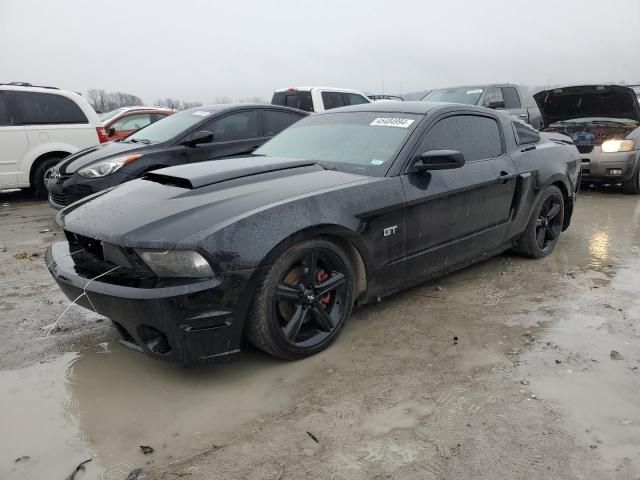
(14, 144)
(234, 134)
(460, 215)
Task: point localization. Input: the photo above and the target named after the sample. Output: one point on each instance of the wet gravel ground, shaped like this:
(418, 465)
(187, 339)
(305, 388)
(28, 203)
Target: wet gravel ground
(513, 368)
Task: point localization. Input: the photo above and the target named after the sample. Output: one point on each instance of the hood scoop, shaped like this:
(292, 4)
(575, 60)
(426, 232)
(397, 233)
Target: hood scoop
(201, 174)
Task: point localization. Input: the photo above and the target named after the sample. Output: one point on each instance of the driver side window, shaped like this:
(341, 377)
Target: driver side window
(476, 137)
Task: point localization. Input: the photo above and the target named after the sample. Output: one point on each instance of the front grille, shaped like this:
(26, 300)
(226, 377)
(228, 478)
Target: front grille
(585, 148)
(89, 245)
(107, 254)
(63, 200)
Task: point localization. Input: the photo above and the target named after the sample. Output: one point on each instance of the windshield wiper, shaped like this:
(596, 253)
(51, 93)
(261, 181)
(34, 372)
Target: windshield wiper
(139, 140)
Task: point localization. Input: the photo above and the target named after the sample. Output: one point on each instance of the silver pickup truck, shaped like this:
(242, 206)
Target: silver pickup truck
(506, 97)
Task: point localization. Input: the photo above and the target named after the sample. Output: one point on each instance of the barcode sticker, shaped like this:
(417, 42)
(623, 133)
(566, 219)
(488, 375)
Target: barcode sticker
(392, 122)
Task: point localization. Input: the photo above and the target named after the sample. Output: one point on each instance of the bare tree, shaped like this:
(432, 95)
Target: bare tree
(187, 105)
(252, 100)
(97, 99)
(103, 101)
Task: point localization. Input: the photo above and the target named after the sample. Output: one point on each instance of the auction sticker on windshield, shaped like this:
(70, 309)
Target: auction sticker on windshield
(392, 122)
(201, 113)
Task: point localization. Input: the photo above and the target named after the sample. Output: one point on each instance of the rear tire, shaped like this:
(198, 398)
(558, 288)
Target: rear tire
(37, 180)
(304, 301)
(545, 226)
(632, 187)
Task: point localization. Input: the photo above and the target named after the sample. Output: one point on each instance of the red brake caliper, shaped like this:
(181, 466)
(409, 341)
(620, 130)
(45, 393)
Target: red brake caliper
(321, 276)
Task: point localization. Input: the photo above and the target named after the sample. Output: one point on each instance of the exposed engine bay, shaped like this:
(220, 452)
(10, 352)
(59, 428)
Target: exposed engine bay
(592, 135)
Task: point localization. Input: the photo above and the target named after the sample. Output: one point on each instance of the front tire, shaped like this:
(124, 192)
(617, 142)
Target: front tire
(37, 181)
(544, 228)
(632, 187)
(303, 302)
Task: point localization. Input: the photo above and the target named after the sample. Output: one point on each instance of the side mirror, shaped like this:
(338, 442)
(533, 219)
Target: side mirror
(195, 139)
(111, 132)
(495, 105)
(438, 160)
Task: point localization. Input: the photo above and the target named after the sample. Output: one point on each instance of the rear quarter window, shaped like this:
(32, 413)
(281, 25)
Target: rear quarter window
(35, 108)
(525, 134)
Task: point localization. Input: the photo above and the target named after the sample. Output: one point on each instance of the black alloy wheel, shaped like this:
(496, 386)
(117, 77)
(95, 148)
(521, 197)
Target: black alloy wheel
(549, 222)
(304, 301)
(545, 226)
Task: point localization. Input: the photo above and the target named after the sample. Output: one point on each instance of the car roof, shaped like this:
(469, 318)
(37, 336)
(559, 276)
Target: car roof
(129, 109)
(397, 106)
(223, 107)
(307, 89)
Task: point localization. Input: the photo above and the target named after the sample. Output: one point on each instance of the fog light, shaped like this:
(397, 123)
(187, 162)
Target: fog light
(614, 171)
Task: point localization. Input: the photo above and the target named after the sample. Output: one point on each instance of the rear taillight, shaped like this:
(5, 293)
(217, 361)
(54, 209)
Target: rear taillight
(102, 134)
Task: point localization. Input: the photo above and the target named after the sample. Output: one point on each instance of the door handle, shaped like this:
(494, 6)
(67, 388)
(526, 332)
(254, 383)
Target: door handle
(523, 115)
(505, 177)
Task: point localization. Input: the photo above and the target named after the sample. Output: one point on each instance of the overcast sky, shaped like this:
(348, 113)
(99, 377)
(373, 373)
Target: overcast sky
(199, 50)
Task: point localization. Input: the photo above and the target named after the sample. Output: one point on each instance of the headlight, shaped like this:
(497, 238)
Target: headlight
(107, 167)
(176, 263)
(613, 146)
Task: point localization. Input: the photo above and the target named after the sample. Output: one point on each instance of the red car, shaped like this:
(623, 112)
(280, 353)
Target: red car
(122, 122)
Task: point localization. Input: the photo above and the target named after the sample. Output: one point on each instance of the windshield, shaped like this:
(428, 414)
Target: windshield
(356, 142)
(109, 115)
(169, 127)
(466, 95)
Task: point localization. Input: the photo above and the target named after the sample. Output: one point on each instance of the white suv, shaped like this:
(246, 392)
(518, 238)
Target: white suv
(317, 99)
(39, 126)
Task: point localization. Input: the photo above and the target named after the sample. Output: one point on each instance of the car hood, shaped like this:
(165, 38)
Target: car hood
(96, 154)
(175, 207)
(567, 103)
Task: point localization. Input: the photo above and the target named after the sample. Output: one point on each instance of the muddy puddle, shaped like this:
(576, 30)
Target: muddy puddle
(107, 402)
(587, 362)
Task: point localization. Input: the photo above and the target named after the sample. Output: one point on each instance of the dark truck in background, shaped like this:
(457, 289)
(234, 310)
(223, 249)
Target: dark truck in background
(506, 97)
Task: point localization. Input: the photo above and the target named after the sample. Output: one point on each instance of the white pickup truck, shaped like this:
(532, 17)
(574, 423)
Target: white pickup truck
(317, 99)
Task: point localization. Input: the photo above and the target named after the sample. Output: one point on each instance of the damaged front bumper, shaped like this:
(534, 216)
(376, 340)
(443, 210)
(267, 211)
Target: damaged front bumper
(600, 167)
(182, 320)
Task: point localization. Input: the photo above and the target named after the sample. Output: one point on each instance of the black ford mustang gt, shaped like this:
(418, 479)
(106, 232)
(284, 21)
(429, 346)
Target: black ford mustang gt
(340, 208)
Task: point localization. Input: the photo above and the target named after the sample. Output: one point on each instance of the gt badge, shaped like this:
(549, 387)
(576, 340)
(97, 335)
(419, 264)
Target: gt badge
(390, 231)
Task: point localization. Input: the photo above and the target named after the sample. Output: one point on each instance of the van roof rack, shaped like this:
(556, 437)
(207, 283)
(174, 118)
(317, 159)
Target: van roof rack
(25, 84)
